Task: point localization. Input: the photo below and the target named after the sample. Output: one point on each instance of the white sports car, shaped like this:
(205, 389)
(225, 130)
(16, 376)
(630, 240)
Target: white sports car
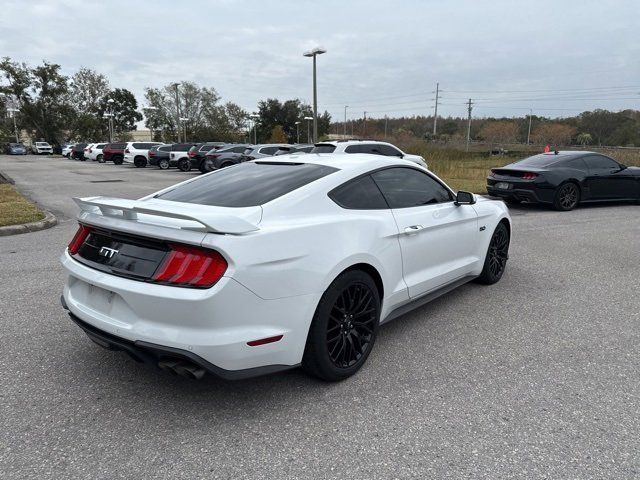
(272, 264)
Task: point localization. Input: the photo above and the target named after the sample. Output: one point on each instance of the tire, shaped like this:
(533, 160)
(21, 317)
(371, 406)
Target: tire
(495, 261)
(567, 197)
(226, 164)
(140, 162)
(184, 164)
(100, 158)
(118, 160)
(163, 164)
(337, 347)
(206, 166)
(68, 155)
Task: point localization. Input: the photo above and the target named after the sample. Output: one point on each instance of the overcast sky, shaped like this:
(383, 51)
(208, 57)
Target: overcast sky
(558, 57)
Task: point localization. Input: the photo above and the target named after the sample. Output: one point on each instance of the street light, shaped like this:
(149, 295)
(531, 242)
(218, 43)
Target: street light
(110, 117)
(314, 53)
(15, 126)
(175, 85)
(345, 121)
(184, 120)
(255, 117)
(298, 131)
(308, 131)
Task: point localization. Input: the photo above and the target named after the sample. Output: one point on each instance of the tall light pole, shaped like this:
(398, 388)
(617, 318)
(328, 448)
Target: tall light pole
(435, 114)
(184, 121)
(529, 131)
(255, 118)
(110, 116)
(314, 53)
(345, 121)
(308, 119)
(175, 85)
(298, 131)
(15, 125)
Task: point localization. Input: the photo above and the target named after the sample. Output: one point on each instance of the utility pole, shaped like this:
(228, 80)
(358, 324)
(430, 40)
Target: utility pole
(386, 119)
(175, 86)
(469, 108)
(529, 131)
(15, 125)
(345, 121)
(364, 125)
(435, 114)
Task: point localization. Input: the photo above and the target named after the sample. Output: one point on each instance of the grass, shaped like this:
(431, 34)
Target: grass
(468, 170)
(15, 209)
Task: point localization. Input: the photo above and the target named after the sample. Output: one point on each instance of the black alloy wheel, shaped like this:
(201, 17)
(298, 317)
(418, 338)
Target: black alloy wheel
(118, 160)
(140, 162)
(567, 197)
(184, 165)
(344, 327)
(495, 262)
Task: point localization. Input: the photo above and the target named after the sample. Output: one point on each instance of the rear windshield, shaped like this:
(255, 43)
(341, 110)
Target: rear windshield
(323, 149)
(247, 184)
(117, 146)
(542, 160)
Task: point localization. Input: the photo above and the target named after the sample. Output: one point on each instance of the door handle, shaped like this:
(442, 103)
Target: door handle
(413, 229)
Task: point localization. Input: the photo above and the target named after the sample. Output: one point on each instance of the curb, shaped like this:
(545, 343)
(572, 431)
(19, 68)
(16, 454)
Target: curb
(48, 221)
(4, 178)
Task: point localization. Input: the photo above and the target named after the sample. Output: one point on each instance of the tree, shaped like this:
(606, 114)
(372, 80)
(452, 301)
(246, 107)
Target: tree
(584, 139)
(40, 95)
(272, 112)
(87, 91)
(499, 132)
(278, 135)
(124, 109)
(553, 134)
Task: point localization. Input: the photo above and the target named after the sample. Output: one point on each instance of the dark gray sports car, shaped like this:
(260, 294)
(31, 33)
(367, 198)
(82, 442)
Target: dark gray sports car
(565, 179)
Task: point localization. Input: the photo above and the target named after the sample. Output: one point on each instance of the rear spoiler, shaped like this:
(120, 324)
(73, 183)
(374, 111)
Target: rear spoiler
(124, 209)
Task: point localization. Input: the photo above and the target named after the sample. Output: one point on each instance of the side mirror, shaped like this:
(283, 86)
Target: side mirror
(465, 198)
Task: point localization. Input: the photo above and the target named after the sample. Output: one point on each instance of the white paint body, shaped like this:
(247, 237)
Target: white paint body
(279, 269)
(95, 150)
(131, 150)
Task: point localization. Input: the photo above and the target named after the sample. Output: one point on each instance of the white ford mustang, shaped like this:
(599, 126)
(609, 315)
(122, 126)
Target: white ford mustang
(268, 264)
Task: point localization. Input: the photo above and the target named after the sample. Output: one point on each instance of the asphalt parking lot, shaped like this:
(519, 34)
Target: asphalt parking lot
(535, 377)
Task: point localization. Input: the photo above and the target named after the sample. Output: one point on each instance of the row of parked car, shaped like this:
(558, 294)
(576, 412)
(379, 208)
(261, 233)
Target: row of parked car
(209, 156)
(38, 148)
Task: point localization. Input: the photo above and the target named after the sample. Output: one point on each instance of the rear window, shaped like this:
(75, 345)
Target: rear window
(100, 145)
(323, 149)
(247, 184)
(541, 160)
(117, 146)
(166, 148)
(182, 148)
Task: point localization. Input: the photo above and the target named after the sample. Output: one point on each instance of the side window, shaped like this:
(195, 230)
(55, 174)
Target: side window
(206, 148)
(268, 150)
(138, 146)
(577, 163)
(166, 148)
(238, 149)
(355, 149)
(407, 187)
(599, 162)
(360, 194)
(389, 151)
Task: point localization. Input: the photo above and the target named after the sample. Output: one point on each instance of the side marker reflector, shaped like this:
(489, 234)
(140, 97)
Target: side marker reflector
(263, 341)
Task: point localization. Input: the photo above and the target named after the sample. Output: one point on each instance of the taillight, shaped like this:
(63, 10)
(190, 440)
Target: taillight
(191, 266)
(529, 176)
(152, 154)
(78, 239)
(191, 154)
(213, 155)
(127, 150)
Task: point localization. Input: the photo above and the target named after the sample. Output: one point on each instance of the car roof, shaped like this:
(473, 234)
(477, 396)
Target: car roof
(355, 163)
(356, 141)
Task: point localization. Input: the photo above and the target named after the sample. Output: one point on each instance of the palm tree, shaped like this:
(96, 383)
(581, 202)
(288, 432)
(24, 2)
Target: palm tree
(584, 139)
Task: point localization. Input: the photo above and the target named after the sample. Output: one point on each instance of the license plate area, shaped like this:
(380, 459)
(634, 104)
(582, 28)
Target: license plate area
(503, 185)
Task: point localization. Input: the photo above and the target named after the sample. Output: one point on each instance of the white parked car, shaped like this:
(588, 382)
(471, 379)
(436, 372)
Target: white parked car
(367, 146)
(41, 148)
(94, 151)
(137, 153)
(66, 149)
(265, 265)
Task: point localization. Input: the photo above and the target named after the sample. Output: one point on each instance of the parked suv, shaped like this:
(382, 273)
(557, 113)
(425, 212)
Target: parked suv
(41, 147)
(113, 152)
(138, 153)
(300, 148)
(66, 149)
(179, 156)
(223, 157)
(259, 151)
(367, 146)
(77, 152)
(94, 152)
(199, 150)
(159, 156)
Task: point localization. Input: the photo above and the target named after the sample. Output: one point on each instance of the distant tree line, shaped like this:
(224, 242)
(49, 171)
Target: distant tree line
(598, 127)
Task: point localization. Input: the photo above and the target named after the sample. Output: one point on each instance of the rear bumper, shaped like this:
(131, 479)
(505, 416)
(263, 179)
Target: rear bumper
(525, 192)
(151, 354)
(212, 324)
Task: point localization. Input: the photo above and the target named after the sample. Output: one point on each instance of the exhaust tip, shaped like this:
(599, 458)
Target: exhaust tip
(182, 368)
